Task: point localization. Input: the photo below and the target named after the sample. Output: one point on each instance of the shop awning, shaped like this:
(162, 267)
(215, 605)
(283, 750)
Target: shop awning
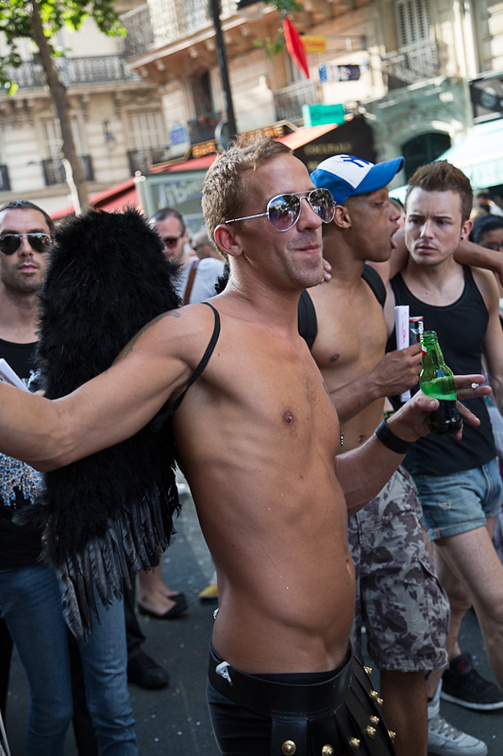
(480, 154)
(125, 194)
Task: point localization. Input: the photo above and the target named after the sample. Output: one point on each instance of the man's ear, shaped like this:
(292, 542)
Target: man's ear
(466, 228)
(227, 241)
(342, 217)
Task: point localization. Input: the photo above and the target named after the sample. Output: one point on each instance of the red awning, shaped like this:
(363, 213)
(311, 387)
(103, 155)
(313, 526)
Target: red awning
(303, 136)
(114, 198)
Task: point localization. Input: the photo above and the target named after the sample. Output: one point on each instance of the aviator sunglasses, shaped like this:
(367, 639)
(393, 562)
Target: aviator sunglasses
(283, 211)
(10, 243)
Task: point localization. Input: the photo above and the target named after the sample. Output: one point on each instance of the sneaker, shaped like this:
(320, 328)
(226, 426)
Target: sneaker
(142, 670)
(462, 685)
(446, 740)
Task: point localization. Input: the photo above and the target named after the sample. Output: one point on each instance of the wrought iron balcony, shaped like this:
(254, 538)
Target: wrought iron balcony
(4, 179)
(164, 21)
(54, 170)
(140, 35)
(411, 64)
(288, 102)
(75, 71)
(143, 160)
(202, 128)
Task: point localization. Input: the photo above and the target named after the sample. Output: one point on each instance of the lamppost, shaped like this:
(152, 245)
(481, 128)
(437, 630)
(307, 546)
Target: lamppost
(231, 129)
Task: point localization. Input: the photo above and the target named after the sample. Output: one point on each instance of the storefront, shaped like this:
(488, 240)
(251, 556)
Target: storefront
(180, 184)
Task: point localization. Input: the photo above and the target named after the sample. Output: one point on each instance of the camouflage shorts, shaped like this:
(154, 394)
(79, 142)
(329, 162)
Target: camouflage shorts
(399, 598)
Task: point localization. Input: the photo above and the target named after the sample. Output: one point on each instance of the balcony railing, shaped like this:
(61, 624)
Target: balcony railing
(54, 170)
(140, 36)
(143, 160)
(411, 64)
(164, 21)
(75, 71)
(4, 179)
(288, 102)
(202, 128)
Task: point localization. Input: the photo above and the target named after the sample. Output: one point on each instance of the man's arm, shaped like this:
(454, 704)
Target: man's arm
(468, 253)
(363, 471)
(107, 409)
(394, 374)
(493, 340)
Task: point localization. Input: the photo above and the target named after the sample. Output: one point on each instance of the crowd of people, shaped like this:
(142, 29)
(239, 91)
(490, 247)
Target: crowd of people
(300, 477)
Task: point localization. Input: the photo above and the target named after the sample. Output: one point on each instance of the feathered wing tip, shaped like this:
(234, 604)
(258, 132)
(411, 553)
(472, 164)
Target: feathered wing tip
(132, 542)
(110, 513)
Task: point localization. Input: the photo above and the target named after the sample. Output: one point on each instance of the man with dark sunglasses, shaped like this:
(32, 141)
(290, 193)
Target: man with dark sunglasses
(195, 282)
(30, 597)
(197, 278)
(256, 435)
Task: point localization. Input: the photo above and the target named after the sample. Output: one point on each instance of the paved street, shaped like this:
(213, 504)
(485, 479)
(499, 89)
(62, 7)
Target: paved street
(175, 721)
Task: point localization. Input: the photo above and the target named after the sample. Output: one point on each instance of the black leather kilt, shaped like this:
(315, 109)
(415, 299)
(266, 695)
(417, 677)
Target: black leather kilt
(261, 716)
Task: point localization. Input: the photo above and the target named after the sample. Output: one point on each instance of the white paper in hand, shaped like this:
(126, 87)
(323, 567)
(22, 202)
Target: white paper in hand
(8, 375)
(402, 335)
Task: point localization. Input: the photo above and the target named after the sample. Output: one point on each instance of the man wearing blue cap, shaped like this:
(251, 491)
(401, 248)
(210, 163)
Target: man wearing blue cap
(397, 584)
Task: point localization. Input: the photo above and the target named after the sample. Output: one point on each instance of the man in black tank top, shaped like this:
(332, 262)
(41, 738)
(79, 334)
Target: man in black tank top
(458, 482)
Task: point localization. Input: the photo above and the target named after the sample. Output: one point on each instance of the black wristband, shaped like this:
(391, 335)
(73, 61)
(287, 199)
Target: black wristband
(389, 439)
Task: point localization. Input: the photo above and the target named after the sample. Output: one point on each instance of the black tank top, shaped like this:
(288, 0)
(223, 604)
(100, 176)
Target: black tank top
(461, 328)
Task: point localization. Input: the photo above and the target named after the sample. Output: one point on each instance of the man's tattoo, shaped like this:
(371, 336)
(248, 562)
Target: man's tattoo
(130, 346)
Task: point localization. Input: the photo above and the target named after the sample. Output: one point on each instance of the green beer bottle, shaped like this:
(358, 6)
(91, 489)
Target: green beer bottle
(436, 380)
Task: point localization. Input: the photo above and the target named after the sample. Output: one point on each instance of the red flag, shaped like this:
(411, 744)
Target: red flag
(295, 47)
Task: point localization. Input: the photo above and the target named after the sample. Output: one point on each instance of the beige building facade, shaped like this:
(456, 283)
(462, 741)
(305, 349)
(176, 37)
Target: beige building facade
(157, 96)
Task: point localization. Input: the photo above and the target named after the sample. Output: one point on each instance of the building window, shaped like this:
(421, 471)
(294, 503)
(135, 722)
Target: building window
(146, 129)
(53, 141)
(413, 20)
(148, 139)
(424, 149)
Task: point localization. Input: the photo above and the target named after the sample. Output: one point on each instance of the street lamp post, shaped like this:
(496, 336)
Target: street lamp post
(214, 6)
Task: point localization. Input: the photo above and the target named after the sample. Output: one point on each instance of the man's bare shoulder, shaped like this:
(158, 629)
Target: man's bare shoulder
(487, 285)
(175, 333)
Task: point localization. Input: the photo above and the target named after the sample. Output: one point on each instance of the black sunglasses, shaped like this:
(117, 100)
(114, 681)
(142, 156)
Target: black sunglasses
(172, 241)
(10, 243)
(283, 211)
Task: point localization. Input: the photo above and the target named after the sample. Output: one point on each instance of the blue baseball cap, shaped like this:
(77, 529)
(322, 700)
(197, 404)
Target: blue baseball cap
(347, 176)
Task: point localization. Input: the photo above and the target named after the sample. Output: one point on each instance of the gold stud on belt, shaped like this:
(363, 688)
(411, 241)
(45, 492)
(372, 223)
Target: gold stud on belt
(288, 748)
(354, 743)
(327, 750)
(392, 735)
(374, 720)
(371, 731)
(368, 670)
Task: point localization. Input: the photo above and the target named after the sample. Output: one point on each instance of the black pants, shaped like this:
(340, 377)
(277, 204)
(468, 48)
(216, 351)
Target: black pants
(265, 715)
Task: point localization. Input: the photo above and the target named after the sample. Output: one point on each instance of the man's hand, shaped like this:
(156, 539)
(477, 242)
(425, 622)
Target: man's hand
(327, 275)
(410, 422)
(398, 371)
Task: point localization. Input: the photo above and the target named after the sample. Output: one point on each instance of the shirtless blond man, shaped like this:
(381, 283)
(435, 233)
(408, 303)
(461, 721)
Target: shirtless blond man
(257, 437)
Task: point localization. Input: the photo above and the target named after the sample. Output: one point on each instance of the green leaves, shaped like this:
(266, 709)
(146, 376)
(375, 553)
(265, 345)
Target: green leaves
(275, 46)
(16, 23)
